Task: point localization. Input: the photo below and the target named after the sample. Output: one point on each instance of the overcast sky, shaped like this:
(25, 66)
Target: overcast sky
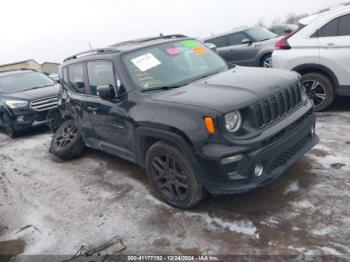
(49, 30)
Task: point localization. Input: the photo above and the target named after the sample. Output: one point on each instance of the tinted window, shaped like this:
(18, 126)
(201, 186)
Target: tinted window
(330, 29)
(24, 81)
(259, 34)
(65, 77)
(76, 78)
(236, 39)
(219, 42)
(344, 25)
(100, 73)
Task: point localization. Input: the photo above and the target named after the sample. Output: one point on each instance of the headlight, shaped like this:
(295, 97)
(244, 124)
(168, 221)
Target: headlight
(16, 103)
(233, 121)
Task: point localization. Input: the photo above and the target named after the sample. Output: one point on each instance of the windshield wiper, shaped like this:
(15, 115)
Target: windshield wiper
(161, 88)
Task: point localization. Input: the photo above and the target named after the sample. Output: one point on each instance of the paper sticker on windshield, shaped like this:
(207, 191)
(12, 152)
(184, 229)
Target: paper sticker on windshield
(190, 43)
(199, 50)
(145, 62)
(173, 51)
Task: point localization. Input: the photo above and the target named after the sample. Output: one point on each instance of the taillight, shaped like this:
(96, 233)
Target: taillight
(283, 43)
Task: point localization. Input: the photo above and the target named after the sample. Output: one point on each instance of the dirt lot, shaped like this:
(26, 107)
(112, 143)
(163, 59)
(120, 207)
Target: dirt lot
(52, 207)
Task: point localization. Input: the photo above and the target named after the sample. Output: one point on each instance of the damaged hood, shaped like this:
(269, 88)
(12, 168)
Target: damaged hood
(230, 90)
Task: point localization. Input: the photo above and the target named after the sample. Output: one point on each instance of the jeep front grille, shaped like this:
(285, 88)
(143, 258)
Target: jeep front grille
(44, 103)
(281, 104)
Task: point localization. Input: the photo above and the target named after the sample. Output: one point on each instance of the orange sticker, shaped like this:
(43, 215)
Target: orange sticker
(199, 50)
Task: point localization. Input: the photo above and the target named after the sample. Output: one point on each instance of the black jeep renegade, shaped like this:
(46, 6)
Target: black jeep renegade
(170, 105)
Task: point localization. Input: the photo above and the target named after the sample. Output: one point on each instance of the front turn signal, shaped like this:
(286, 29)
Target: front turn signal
(209, 123)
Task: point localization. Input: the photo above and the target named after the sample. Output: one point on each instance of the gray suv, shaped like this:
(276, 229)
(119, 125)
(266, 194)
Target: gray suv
(249, 46)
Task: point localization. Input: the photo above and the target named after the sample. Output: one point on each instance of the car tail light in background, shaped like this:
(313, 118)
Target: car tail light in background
(282, 44)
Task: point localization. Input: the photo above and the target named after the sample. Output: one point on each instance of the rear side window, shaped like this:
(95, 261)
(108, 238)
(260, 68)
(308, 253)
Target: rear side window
(100, 73)
(220, 41)
(344, 25)
(76, 78)
(330, 29)
(236, 39)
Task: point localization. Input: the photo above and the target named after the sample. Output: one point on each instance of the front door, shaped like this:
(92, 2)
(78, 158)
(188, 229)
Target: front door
(109, 118)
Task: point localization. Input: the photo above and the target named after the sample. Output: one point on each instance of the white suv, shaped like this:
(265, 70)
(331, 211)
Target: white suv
(320, 51)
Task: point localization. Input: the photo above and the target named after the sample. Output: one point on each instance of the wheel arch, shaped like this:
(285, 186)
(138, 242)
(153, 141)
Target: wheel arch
(316, 68)
(147, 136)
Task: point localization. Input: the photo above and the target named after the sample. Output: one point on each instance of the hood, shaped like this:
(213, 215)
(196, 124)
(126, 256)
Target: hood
(230, 90)
(34, 94)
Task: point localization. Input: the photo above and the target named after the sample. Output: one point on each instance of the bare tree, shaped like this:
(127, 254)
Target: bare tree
(260, 22)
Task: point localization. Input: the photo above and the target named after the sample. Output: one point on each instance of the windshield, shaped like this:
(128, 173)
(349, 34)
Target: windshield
(260, 34)
(24, 81)
(172, 64)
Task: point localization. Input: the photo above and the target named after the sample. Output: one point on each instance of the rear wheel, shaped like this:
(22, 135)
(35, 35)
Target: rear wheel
(9, 129)
(320, 90)
(173, 176)
(67, 143)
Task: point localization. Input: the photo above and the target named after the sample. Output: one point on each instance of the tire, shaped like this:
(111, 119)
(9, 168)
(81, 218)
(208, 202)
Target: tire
(320, 90)
(67, 143)
(173, 176)
(9, 129)
(266, 61)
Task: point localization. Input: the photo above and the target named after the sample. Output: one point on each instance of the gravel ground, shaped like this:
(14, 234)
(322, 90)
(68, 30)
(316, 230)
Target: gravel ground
(52, 207)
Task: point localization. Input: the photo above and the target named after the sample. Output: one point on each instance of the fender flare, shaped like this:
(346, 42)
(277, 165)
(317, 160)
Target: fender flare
(143, 132)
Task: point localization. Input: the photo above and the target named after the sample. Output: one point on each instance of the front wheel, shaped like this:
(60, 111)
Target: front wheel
(67, 143)
(9, 129)
(320, 90)
(173, 176)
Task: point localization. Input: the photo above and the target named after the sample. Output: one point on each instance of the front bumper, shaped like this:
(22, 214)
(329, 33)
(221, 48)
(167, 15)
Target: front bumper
(25, 120)
(276, 157)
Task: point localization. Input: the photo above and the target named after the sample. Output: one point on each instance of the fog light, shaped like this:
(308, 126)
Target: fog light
(258, 170)
(20, 119)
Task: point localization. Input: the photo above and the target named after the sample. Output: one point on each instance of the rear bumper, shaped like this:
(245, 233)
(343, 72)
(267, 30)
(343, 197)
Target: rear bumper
(237, 177)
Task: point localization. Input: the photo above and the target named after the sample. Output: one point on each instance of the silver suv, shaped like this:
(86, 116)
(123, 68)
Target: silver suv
(320, 51)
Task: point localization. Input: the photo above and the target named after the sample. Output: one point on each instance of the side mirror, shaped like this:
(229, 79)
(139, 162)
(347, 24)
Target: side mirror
(106, 92)
(212, 47)
(247, 41)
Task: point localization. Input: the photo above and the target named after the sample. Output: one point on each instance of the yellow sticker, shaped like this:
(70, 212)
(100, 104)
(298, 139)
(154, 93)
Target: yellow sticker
(199, 50)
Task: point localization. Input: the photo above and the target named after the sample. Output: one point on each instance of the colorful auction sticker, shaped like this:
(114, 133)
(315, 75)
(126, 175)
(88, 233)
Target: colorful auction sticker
(173, 51)
(199, 50)
(190, 43)
(145, 62)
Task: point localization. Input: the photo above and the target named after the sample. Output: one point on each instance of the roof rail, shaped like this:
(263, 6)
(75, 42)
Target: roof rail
(91, 52)
(143, 40)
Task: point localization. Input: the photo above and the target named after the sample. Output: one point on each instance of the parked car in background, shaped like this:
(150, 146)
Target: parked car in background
(245, 46)
(320, 52)
(170, 105)
(55, 77)
(283, 29)
(26, 97)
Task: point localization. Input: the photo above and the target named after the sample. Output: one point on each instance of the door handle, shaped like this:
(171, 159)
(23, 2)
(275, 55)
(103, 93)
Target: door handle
(91, 109)
(331, 45)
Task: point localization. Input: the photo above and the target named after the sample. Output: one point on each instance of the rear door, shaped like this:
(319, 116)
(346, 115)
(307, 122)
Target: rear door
(334, 41)
(77, 93)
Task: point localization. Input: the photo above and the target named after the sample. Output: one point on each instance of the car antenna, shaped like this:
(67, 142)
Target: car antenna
(90, 46)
